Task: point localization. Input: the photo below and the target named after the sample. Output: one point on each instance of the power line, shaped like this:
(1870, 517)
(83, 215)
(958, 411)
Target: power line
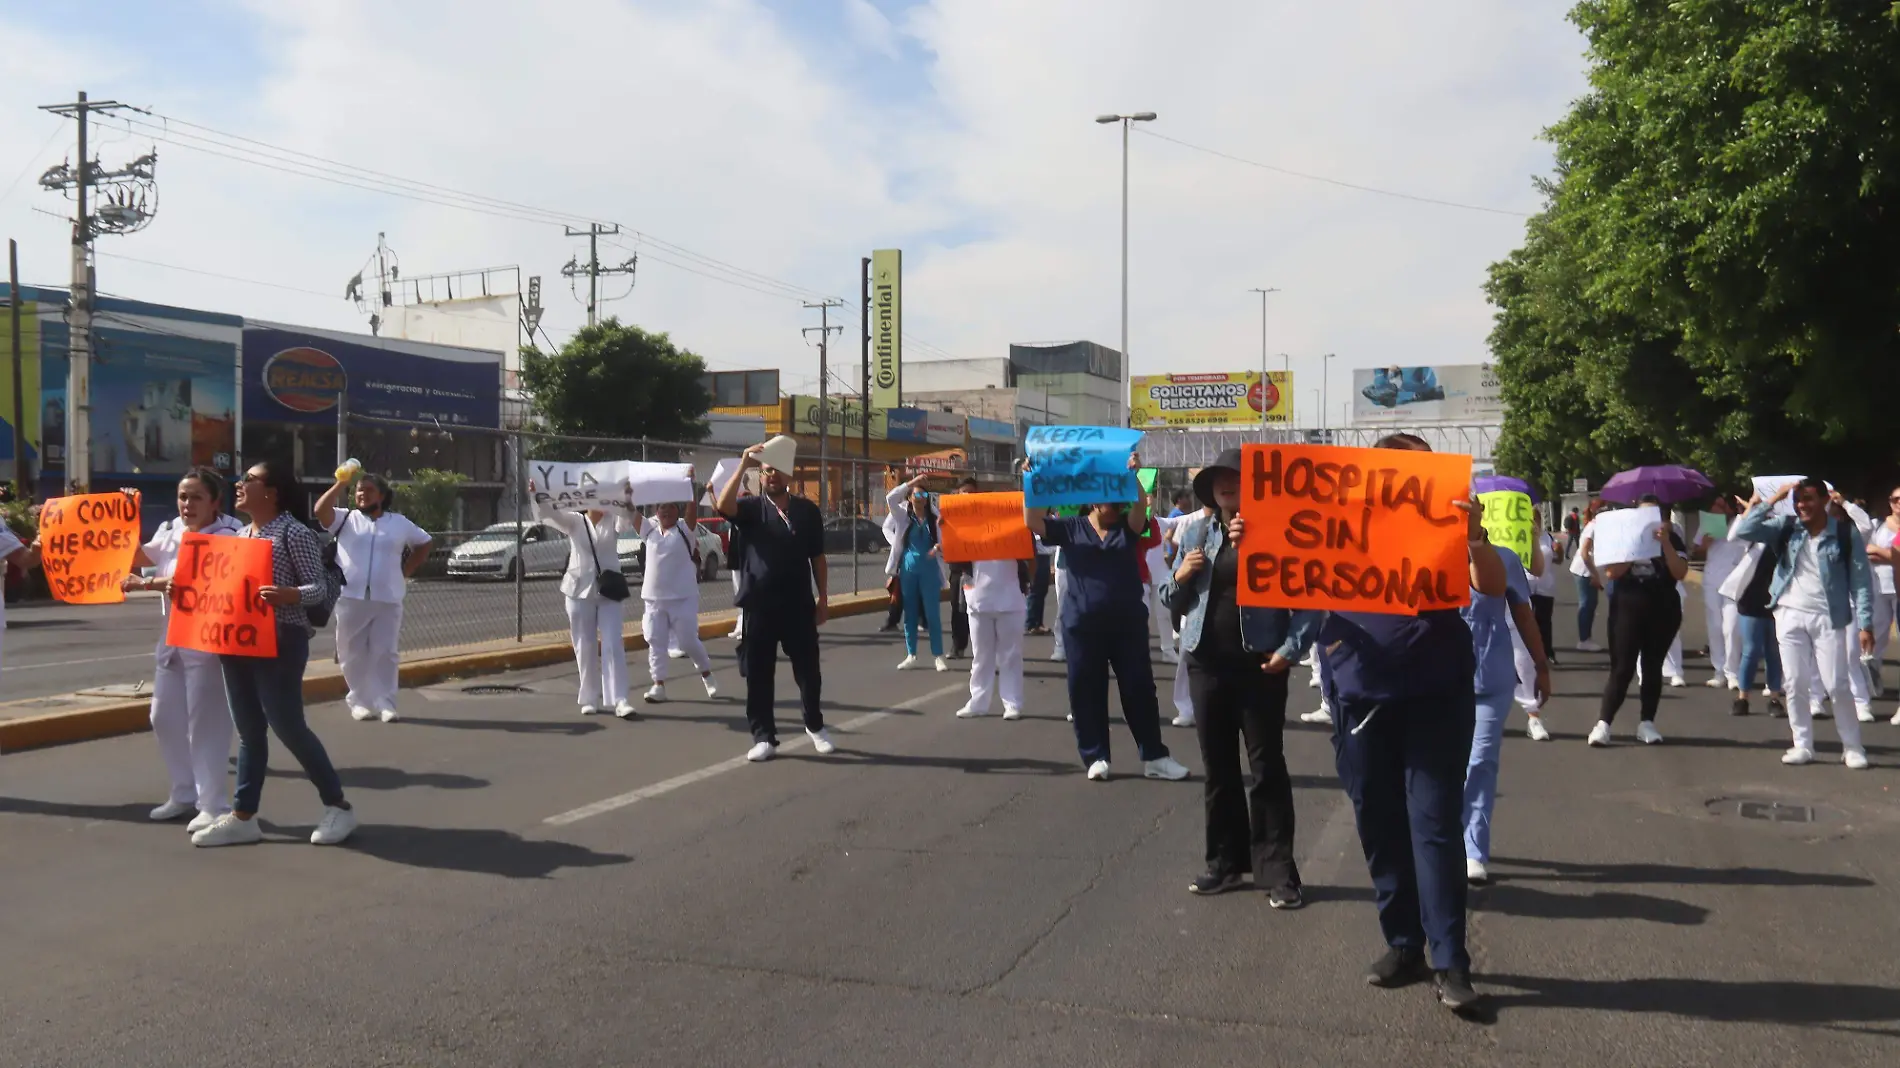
(1336, 181)
(33, 161)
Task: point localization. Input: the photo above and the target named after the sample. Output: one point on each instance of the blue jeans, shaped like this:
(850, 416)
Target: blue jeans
(1586, 607)
(1092, 646)
(266, 694)
(1481, 773)
(923, 585)
(1758, 647)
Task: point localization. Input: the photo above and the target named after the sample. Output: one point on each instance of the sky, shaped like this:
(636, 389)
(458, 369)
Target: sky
(785, 139)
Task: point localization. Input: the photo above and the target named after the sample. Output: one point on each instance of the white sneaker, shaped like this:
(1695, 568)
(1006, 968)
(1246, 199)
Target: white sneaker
(1312, 681)
(1010, 712)
(1168, 657)
(1600, 734)
(1647, 733)
(966, 712)
(1735, 684)
(907, 663)
(389, 715)
(201, 821)
(1766, 692)
(1855, 759)
(676, 654)
(1678, 681)
(1098, 771)
(737, 633)
(1474, 871)
(656, 694)
(761, 751)
(1165, 768)
(336, 825)
(590, 710)
(1070, 717)
(1588, 646)
(712, 688)
(625, 710)
(821, 741)
(228, 830)
(1798, 756)
(171, 810)
(1895, 720)
(1864, 713)
(941, 664)
(1537, 731)
(1716, 683)
(1057, 656)
(1322, 714)
(359, 713)
(1183, 720)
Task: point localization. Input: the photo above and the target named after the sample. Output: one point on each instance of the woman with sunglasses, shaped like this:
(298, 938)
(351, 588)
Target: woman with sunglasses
(266, 693)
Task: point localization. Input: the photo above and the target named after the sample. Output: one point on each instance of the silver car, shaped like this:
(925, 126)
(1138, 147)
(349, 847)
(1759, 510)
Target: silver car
(498, 550)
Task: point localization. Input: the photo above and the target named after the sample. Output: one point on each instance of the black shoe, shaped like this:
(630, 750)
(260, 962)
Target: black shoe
(1399, 966)
(1777, 706)
(1285, 897)
(887, 628)
(1739, 708)
(1453, 987)
(1215, 883)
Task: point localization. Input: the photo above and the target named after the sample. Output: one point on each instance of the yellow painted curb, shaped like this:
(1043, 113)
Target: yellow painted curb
(107, 720)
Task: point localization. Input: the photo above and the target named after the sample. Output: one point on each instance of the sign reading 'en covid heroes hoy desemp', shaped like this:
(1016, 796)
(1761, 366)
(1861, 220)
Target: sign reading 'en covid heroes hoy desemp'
(1353, 530)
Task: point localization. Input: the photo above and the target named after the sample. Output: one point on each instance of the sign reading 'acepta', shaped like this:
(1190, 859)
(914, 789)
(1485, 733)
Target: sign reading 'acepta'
(1353, 530)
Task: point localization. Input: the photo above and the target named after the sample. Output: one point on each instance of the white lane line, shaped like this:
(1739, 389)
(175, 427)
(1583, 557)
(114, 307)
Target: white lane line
(634, 797)
(147, 655)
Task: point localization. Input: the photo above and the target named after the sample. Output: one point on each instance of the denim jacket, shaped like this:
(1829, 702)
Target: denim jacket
(1849, 585)
(1262, 630)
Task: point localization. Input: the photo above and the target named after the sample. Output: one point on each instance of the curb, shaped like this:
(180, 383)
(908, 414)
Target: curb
(109, 720)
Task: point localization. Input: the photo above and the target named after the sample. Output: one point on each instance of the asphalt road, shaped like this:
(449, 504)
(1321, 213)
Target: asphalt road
(56, 648)
(533, 888)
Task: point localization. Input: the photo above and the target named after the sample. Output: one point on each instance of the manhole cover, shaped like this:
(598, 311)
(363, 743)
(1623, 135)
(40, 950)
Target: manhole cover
(494, 690)
(1774, 811)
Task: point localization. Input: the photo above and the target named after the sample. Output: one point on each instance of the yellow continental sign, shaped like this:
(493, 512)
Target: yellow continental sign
(1239, 399)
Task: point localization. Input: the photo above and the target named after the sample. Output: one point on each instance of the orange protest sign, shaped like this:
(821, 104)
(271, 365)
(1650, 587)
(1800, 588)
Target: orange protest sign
(984, 526)
(86, 546)
(214, 596)
(1353, 530)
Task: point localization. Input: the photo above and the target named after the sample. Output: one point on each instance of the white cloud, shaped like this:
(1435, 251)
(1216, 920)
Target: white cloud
(716, 126)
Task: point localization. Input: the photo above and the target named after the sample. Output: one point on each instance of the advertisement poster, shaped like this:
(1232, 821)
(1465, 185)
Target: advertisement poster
(1238, 399)
(161, 403)
(1459, 393)
(887, 328)
(847, 416)
(29, 383)
(297, 376)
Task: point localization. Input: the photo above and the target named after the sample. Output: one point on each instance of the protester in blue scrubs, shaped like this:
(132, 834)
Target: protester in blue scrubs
(1495, 687)
(1403, 715)
(1105, 624)
(916, 562)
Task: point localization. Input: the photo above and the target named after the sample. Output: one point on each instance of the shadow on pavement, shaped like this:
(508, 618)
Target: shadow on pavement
(25, 806)
(374, 778)
(1528, 901)
(1772, 1002)
(572, 728)
(1671, 874)
(967, 765)
(478, 851)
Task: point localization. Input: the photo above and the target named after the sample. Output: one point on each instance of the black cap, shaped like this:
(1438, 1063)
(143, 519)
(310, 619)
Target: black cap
(1228, 460)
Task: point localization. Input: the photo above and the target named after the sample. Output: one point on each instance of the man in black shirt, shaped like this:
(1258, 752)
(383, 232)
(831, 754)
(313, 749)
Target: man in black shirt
(784, 553)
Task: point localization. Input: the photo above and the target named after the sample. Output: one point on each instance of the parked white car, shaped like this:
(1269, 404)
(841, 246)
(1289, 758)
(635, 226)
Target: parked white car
(502, 547)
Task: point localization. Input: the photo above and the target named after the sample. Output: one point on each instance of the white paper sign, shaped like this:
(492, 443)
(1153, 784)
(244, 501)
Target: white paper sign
(1625, 535)
(570, 487)
(660, 483)
(1767, 486)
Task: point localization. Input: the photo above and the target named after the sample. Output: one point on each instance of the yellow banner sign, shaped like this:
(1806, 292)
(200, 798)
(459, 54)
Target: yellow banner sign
(1239, 399)
(846, 417)
(887, 328)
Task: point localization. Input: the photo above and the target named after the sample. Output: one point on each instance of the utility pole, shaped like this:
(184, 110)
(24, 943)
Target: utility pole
(864, 394)
(22, 477)
(593, 270)
(824, 330)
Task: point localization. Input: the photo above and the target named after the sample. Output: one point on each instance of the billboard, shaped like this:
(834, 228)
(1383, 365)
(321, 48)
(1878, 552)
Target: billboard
(943, 428)
(887, 328)
(994, 430)
(847, 417)
(1238, 399)
(29, 384)
(296, 376)
(492, 323)
(1456, 393)
(906, 424)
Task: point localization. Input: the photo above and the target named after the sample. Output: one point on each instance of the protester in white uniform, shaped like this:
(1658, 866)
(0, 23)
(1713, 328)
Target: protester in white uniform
(1860, 669)
(1158, 614)
(190, 717)
(997, 594)
(1720, 612)
(1822, 586)
(14, 552)
(1543, 583)
(1883, 556)
(670, 592)
(1183, 695)
(378, 551)
(596, 622)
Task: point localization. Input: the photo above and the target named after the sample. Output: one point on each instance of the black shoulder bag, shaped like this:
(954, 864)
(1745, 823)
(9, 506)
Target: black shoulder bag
(610, 582)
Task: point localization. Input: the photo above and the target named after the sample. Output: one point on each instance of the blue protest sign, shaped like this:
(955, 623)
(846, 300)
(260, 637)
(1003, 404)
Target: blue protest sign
(1079, 465)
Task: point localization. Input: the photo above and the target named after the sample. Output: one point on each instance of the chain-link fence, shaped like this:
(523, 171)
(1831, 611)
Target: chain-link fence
(494, 571)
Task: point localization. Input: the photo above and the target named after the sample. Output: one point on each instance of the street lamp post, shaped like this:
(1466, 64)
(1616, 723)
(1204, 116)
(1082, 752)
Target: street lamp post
(1325, 379)
(1263, 356)
(1320, 407)
(1139, 116)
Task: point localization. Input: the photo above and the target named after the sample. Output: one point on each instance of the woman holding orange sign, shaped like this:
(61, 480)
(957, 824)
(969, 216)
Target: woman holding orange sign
(191, 718)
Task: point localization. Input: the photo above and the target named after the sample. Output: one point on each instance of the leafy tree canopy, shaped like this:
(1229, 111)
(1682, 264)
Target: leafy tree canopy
(618, 381)
(1715, 279)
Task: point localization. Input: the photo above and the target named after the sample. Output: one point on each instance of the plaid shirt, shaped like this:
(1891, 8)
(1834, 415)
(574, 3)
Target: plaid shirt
(295, 560)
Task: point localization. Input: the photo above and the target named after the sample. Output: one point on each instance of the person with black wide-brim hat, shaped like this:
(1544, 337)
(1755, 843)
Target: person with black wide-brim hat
(1237, 661)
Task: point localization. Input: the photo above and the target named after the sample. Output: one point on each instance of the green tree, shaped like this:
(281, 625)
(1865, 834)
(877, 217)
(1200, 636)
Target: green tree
(429, 501)
(1716, 277)
(619, 381)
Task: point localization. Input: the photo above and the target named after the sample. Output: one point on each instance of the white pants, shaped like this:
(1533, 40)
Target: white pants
(1162, 618)
(1061, 583)
(996, 650)
(366, 633)
(1886, 607)
(671, 624)
(1861, 682)
(192, 721)
(1811, 644)
(1724, 618)
(1526, 669)
(1183, 697)
(596, 625)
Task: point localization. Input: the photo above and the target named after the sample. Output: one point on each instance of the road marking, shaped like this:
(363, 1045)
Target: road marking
(76, 663)
(644, 793)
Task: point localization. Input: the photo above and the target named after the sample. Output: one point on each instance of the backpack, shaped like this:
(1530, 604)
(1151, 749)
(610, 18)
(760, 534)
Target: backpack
(321, 612)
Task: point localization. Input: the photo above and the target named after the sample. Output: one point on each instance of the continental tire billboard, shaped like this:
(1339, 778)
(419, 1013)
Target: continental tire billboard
(887, 328)
(1454, 393)
(1238, 399)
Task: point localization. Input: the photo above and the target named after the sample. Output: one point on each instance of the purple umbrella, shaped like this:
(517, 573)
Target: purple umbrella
(1669, 483)
(1504, 483)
